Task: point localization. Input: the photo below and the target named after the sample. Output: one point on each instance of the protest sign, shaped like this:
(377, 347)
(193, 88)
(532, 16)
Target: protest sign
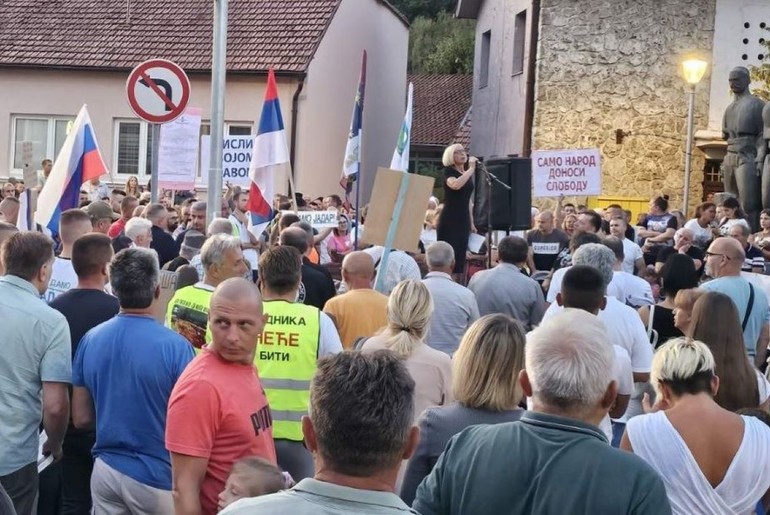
(167, 290)
(236, 158)
(178, 151)
(318, 219)
(566, 172)
(381, 212)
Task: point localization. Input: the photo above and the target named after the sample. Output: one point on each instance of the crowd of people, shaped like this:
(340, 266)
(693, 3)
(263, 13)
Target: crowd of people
(277, 379)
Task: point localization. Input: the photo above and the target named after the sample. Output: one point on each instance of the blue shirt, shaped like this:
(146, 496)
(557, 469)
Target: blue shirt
(737, 288)
(129, 365)
(34, 349)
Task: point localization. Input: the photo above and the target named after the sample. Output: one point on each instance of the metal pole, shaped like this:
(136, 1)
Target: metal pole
(688, 149)
(218, 71)
(358, 210)
(155, 192)
(382, 271)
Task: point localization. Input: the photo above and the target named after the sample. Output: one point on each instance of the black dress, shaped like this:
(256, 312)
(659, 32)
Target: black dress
(454, 224)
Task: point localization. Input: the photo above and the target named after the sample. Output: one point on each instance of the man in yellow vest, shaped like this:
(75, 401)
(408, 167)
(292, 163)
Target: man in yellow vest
(188, 310)
(295, 336)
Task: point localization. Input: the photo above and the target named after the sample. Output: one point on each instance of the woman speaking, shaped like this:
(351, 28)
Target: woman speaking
(456, 221)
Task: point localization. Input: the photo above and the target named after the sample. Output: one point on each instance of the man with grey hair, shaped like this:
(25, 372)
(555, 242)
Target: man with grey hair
(454, 306)
(634, 291)
(683, 244)
(504, 289)
(754, 260)
(188, 309)
(123, 375)
(568, 374)
(217, 226)
(139, 231)
(358, 440)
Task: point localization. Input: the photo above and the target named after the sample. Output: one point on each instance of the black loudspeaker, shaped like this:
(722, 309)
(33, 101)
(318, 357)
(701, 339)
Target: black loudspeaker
(510, 210)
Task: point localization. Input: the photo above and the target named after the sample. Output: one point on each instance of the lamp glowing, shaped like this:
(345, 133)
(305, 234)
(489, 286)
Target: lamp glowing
(694, 70)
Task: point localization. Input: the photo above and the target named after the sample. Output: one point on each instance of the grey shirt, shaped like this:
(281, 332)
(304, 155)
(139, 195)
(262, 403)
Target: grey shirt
(540, 464)
(437, 426)
(35, 349)
(504, 289)
(454, 309)
(313, 497)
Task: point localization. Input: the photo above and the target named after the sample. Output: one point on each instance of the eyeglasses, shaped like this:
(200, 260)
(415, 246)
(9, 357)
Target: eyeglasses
(709, 254)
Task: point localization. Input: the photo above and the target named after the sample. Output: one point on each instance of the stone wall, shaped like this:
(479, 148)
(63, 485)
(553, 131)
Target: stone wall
(614, 64)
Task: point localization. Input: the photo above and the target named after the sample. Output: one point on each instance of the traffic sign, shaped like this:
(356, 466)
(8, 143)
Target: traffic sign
(158, 91)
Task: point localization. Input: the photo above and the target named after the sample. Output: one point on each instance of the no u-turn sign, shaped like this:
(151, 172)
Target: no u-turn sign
(158, 91)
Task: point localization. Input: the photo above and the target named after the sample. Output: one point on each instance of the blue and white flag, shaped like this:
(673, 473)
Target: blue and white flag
(400, 159)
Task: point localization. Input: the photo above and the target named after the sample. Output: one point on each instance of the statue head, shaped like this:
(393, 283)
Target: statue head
(739, 79)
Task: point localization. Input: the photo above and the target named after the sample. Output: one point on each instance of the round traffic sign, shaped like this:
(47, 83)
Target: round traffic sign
(158, 91)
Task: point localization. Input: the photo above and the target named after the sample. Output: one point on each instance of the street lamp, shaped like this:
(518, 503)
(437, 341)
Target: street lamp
(693, 70)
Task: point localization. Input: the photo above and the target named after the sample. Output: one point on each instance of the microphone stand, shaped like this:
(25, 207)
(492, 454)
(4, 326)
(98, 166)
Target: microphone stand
(490, 178)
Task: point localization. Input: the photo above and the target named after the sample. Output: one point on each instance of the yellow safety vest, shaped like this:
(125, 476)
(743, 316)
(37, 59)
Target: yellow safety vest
(188, 312)
(286, 357)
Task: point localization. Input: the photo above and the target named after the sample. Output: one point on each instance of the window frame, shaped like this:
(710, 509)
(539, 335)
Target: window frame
(485, 57)
(50, 142)
(519, 43)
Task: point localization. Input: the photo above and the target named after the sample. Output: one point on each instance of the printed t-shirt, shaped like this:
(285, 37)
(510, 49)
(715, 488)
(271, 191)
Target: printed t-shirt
(659, 223)
(546, 247)
(360, 312)
(129, 365)
(188, 313)
(218, 410)
(63, 278)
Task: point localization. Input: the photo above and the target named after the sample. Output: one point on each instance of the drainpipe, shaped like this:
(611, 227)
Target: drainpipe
(294, 110)
(529, 102)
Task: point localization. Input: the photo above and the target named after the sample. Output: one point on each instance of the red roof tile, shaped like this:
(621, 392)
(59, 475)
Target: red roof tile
(463, 136)
(440, 104)
(119, 34)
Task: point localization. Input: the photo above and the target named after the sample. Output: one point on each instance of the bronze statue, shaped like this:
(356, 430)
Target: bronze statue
(746, 148)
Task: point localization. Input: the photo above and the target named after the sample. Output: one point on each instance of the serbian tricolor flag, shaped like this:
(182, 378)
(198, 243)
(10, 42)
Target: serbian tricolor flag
(78, 162)
(270, 151)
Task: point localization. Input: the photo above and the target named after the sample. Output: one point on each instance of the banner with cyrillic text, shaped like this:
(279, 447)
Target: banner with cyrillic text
(318, 219)
(566, 172)
(236, 157)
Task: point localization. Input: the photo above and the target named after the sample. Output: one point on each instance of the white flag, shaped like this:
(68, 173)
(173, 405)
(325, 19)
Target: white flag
(400, 159)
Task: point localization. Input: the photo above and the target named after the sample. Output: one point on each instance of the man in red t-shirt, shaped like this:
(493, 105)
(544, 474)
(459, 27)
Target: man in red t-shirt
(218, 412)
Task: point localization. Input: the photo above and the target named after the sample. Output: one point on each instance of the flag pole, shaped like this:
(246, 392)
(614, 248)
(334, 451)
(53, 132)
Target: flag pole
(358, 195)
(292, 189)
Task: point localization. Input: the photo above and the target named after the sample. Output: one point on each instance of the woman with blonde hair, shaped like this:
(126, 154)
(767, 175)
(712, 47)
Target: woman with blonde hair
(684, 302)
(741, 385)
(456, 221)
(485, 371)
(568, 225)
(132, 187)
(710, 459)
(410, 308)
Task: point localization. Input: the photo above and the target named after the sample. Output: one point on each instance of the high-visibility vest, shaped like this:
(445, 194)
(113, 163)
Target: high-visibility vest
(187, 313)
(286, 358)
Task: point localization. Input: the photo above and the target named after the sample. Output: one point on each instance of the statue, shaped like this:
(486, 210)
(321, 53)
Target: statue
(766, 169)
(746, 148)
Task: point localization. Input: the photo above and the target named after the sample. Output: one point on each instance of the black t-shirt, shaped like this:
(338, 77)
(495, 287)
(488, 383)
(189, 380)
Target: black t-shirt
(694, 252)
(546, 247)
(163, 243)
(316, 287)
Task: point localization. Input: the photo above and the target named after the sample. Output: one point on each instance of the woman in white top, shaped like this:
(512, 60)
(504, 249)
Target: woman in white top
(410, 308)
(702, 226)
(711, 460)
(732, 214)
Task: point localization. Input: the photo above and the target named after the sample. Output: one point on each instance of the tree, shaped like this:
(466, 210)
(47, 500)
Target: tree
(761, 74)
(443, 45)
(413, 9)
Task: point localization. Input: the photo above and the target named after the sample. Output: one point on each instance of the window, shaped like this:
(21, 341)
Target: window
(133, 144)
(47, 135)
(486, 40)
(519, 39)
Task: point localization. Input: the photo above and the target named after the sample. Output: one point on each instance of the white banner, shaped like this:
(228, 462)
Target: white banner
(318, 219)
(179, 150)
(236, 158)
(566, 172)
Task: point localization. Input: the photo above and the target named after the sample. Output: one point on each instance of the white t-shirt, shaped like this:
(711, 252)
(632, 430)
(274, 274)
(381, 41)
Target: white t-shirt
(251, 255)
(631, 252)
(633, 290)
(323, 250)
(329, 339)
(613, 289)
(63, 278)
(724, 228)
(701, 235)
(625, 378)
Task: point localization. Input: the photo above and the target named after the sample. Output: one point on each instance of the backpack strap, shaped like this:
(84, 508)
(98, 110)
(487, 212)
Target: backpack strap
(749, 307)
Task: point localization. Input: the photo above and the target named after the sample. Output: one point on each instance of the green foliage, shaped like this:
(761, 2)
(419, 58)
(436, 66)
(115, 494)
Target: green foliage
(761, 74)
(443, 45)
(413, 9)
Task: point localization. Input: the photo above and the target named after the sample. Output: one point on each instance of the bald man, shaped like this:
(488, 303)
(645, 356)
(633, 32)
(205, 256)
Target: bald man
(9, 210)
(724, 259)
(362, 311)
(545, 242)
(218, 411)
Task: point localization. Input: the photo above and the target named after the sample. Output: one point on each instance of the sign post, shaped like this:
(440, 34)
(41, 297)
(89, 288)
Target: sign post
(158, 91)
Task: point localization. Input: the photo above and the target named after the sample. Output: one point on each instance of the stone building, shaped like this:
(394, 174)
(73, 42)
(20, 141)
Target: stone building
(604, 74)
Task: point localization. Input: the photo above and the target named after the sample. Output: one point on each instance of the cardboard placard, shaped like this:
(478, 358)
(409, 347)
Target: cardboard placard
(318, 219)
(167, 290)
(384, 195)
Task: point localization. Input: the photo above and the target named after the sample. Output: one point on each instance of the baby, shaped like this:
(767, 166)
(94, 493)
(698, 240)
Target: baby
(252, 477)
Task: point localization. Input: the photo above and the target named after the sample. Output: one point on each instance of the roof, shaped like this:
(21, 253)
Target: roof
(463, 135)
(468, 8)
(440, 104)
(119, 34)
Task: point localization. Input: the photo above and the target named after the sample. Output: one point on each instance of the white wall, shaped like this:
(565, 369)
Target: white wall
(42, 92)
(498, 108)
(326, 103)
(729, 48)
